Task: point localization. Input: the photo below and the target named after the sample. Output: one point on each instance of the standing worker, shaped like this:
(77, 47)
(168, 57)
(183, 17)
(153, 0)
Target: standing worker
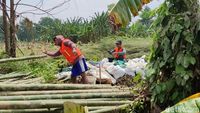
(73, 55)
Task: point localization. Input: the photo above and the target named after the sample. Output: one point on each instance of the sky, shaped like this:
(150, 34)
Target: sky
(71, 9)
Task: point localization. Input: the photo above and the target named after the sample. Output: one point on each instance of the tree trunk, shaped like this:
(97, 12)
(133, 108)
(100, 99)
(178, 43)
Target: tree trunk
(12, 30)
(5, 28)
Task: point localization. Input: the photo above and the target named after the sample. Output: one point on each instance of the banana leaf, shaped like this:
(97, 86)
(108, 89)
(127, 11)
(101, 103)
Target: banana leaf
(189, 106)
(121, 12)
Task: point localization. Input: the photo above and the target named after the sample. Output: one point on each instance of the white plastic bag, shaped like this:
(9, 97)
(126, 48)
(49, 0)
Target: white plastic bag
(116, 71)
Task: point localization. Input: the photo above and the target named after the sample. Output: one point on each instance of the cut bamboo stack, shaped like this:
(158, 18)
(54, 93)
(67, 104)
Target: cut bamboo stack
(50, 98)
(20, 78)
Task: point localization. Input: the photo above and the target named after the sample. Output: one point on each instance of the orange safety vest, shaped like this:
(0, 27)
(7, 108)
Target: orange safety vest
(67, 52)
(119, 56)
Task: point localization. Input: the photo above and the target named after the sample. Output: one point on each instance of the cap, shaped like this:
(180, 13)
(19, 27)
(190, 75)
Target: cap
(118, 42)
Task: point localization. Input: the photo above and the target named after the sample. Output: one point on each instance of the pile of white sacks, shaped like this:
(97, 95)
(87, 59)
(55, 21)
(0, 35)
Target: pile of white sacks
(110, 71)
(113, 72)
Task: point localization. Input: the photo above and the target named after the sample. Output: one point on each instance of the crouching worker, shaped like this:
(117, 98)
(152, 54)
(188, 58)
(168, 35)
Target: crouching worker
(119, 53)
(73, 55)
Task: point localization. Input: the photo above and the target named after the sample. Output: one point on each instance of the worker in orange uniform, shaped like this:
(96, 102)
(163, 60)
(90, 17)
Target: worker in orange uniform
(73, 55)
(119, 53)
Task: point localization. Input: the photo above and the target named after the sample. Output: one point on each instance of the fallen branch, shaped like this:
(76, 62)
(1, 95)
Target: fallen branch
(22, 58)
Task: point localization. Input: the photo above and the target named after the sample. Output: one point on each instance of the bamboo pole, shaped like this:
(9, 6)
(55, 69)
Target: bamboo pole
(36, 104)
(68, 96)
(92, 108)
(29, 81)
(34, 80)
(18, 75)
(6, 81)
(45, 92)
(26, 87)
(114, 109)
(53, 110)
(22, 58)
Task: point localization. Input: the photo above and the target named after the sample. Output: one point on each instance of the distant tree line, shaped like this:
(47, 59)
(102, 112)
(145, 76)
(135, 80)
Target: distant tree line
(84, 30)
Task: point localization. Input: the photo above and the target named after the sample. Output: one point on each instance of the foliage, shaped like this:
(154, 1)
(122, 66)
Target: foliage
(43, 68)
(142, 27)
(175, 57)
(138, 29)
(122, 11)
(26, 30)
(146, 16)
(81, 29)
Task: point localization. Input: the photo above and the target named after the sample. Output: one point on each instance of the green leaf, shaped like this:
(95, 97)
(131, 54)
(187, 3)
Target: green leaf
(137, 78)
(183, 82)
(189, 37)
(170, 84)
(163, 86)
(174, 95)
(158, 89)
(187, 60)
(178, 80)
(124, 8)
(180, 69)
(187, 21)
(176, 27)
(177, 37)
(162, 63)
(179, 58)
(186, 77)
(167, 52)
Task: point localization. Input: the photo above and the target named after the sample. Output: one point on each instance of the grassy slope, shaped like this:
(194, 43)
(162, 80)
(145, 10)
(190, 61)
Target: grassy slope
(93, 51)
(135, 47)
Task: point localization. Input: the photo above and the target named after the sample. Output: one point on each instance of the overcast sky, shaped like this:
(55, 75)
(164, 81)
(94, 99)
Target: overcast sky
(71, 9)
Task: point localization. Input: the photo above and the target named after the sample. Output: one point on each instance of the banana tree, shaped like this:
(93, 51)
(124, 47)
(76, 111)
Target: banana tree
(120, 15)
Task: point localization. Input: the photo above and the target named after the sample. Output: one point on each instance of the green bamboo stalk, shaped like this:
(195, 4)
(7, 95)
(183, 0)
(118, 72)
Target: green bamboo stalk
(115, 109)
(26, 87)
(6, 81)
(28, 81)
(35, 80)
(68, 96)
(17, 75)
(53, 110)
(92, 108)
(22, 58)
(45, 92)
(36, 104)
